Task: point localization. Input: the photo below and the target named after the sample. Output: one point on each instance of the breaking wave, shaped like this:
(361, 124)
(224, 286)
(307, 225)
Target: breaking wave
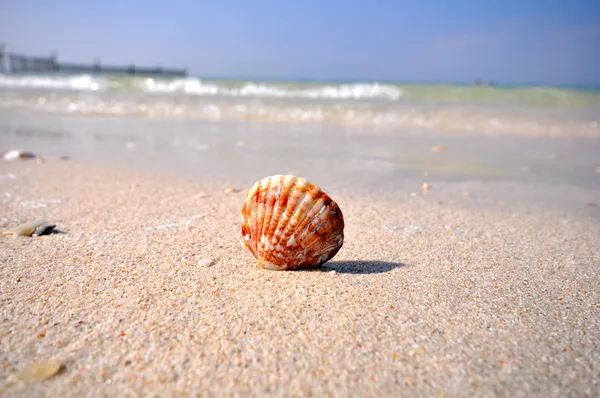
(194, 86)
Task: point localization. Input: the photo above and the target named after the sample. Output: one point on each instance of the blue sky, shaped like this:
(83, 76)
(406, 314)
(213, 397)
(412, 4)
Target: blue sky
(552, 41)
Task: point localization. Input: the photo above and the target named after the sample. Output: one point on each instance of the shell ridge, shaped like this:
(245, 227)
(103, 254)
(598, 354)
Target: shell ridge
(268, 203)
(321, 200)
(310, 216)
(247, 218)
(253, 217)
(285, 213)
(307, 197)
(333, 240)
(246, 234)
(276, 213)
(327, 204)
(276, 210)
(260, 216)
(263, 242)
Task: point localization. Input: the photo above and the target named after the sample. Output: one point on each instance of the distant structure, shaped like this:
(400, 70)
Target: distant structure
(479, 82)
(3, 66)
(18, 63)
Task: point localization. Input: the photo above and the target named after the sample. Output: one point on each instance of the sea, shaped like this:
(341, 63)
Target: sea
(456, 108)
(368, 136)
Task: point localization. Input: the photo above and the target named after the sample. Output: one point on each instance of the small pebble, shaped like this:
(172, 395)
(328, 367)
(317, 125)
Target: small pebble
(438, 148)
(205, 262)
(184, 261)
(18, 154)
(426, 187)
(39, 371)
(231, 190)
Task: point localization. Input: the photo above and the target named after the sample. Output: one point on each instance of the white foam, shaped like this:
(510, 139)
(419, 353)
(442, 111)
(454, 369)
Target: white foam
(266, 90)
(78, 82)
(194, 86)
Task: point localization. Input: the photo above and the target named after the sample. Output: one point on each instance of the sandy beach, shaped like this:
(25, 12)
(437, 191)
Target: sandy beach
(426, 298)
(460, 141)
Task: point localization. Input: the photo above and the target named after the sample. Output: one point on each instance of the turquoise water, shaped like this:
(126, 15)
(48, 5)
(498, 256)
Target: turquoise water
(394, 91)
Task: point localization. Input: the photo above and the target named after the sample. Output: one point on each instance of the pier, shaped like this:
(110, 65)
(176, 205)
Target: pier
(24, 64)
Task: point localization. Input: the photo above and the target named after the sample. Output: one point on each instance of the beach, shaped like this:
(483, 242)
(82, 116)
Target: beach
(424, 298)
(469, 265)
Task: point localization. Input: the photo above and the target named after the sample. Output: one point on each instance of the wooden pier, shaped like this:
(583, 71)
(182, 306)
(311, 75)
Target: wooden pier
(24, 64)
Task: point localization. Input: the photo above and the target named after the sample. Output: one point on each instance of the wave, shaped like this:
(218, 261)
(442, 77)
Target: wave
(77, 82)
(194, 86)
(432, 118)
(311, 91)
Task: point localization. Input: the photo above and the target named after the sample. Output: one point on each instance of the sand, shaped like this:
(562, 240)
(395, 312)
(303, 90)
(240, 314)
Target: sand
(426, 298)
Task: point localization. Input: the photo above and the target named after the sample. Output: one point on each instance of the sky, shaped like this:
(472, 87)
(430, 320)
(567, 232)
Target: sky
(508, 41)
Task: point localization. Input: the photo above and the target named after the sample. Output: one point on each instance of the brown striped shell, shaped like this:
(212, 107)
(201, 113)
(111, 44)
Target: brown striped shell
(289, 223)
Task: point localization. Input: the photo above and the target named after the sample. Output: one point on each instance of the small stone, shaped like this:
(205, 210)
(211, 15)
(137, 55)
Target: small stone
(18, 154)
(39, 371)
(201, 195)
(35, 228)
(438, 148)
(185, 261)
(232, 190)
(426, 187)
(333, 272)
(205, 262)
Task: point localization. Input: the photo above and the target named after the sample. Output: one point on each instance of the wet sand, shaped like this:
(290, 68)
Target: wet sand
(427, 297)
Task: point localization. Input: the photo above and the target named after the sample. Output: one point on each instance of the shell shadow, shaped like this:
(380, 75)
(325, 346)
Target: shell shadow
(361, 267)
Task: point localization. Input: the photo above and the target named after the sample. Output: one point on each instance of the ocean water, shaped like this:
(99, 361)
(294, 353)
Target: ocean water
(513, 146)
(438, 108)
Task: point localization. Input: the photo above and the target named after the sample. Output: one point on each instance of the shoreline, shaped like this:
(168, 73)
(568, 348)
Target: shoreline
(428, 297)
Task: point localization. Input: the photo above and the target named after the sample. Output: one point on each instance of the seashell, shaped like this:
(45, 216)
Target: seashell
(34, 228)
(289, 223)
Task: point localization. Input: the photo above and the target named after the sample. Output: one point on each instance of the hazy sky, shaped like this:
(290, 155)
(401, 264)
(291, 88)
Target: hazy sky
(536, 41)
